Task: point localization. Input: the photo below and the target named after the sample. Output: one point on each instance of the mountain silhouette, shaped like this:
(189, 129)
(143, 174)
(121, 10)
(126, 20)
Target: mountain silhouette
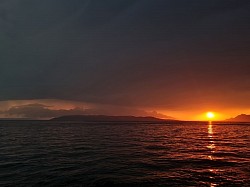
(104, 118)
(241, 118)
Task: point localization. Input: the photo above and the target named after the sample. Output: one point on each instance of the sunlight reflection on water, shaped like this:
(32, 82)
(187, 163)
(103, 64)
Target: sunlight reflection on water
(211, 146)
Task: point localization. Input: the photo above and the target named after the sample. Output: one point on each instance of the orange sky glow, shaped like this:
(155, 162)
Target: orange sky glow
(220, 113)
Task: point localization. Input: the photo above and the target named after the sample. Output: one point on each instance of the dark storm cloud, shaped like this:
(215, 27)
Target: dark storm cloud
(125, 52)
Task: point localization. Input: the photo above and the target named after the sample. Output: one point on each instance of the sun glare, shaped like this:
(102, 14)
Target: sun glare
(210, 115)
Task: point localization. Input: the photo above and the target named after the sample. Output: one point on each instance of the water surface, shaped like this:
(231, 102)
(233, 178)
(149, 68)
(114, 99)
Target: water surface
(40, 153)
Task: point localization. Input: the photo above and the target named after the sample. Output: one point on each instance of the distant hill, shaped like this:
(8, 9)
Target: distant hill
(240, 118)
(103, 118)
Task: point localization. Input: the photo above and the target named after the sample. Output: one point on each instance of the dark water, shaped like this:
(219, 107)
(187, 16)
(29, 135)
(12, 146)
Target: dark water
(37, 153)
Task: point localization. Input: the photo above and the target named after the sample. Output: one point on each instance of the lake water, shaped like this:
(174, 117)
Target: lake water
(40, 153)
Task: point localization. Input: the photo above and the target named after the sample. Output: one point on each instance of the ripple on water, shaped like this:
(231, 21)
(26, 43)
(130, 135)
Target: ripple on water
(64, 154)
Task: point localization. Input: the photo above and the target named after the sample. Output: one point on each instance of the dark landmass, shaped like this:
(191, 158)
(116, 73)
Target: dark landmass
(103, 118)
(16, 119)
(240, 118)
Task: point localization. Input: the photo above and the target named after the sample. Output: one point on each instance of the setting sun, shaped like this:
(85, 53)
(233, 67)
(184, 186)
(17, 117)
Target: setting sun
(210, 115)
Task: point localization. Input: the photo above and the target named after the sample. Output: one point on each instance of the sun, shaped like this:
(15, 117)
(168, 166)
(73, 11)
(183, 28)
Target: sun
(210, 115)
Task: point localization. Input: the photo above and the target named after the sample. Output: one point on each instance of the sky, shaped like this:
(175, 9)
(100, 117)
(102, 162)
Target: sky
(164, 58)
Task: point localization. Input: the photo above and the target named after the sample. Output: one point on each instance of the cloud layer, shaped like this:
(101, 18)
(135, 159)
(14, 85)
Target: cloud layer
(35, 110)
